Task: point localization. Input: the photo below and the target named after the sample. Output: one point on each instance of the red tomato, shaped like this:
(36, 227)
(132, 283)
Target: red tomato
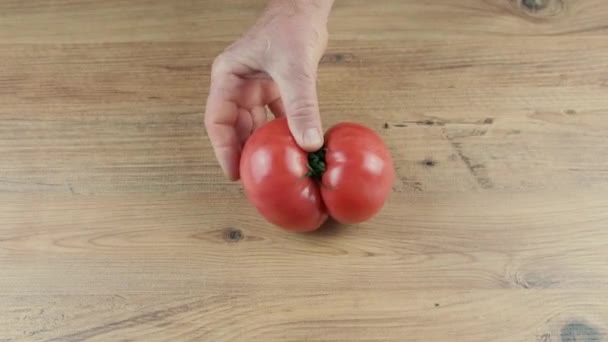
(349, 179)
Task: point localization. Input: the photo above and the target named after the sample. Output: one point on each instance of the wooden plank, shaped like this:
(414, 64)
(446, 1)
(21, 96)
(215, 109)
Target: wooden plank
(132, 244)
(116, 224)
(485, 115)
(64, 21)
(377, 315)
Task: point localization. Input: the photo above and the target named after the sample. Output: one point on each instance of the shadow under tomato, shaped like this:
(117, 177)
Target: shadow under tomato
(331, 227)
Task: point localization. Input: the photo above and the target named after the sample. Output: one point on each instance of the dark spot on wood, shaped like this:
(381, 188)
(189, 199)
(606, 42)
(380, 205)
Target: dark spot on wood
(70, 187)
(429, 122)
(153, 97)
(570, 112)
(429, 162)
(436, 305)
(535, 5)
(541, 9)
(337, 58)
(580, 332)
(386, 125)
(233, 235)
(488, 121)
(400, 125)
(514, 131)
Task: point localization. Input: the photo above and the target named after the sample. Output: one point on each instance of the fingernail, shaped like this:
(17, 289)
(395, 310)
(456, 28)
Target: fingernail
(312, 138)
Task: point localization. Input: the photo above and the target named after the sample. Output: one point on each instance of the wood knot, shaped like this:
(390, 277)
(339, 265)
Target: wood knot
(541, 8)
(534, 5)
(429, 162)
(398, 125)
(232, 235)
(578, 331)
(532, 281)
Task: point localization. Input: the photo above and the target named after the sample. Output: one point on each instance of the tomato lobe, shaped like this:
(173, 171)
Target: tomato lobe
(273, 171)
(359, 174)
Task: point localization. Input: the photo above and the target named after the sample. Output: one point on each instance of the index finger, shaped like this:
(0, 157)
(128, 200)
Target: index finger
(220, 121)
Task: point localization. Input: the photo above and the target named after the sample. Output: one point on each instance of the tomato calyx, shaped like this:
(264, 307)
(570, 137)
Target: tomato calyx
(316, 164)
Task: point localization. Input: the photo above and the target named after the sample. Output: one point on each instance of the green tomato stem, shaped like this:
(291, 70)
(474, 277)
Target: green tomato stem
(316, 164)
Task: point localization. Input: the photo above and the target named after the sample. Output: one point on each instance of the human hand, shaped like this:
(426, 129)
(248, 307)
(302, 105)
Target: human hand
(274, 65)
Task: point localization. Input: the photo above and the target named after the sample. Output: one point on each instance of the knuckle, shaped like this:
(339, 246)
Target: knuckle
(303, 110)
(218, 62)
(219, 66)
(222, 63)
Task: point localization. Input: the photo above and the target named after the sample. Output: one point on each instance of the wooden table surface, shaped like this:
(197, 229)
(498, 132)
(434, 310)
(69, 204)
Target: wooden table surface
(117, 225)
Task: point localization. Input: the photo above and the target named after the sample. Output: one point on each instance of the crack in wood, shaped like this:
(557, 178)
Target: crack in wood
(153, 317)
(432, 121)
(476, 170)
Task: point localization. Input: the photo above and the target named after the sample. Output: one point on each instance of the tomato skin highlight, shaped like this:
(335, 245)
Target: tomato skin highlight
(273, 171)
(359, 175)
(357, 180)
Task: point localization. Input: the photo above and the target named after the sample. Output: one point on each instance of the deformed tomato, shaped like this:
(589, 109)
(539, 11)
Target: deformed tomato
(349, 179)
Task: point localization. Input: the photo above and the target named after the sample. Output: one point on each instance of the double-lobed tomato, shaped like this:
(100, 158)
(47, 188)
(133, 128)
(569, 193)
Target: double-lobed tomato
(349, 179)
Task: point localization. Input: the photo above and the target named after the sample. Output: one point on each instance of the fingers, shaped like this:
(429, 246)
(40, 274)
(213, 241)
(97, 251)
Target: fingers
(298, 89)
(277, 108)
(258, 115)
(221, 116)
(220, 125)
(244, 125)
(248, 121)
(254, 92)
(227, 118)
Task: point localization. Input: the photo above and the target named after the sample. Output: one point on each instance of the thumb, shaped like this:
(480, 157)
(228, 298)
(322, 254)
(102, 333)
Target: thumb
(298, 91)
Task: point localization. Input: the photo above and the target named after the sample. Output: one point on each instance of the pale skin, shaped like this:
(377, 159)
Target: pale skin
(274, 66)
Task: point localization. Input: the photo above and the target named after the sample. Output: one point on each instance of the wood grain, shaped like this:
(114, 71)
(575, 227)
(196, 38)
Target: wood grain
(117, 225)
